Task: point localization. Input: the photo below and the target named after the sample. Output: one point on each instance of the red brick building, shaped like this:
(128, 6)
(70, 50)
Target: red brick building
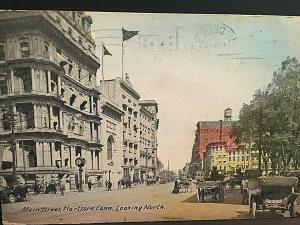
(209, 132)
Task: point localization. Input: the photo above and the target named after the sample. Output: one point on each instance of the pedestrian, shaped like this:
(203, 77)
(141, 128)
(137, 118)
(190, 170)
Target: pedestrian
(119, 183)
(176, 187)
(62, 188)
(35, 188)
(109, 185)
(106, 185)
(90, 185)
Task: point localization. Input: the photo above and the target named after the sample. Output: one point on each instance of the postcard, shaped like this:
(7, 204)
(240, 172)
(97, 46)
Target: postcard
(132, 117)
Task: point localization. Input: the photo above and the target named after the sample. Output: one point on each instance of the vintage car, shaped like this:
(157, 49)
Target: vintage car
(185, 184)
(296, 173)
(274, 193)
(15, 193)
(210, 189)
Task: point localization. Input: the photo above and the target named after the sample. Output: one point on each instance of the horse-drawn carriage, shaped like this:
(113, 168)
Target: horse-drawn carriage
(274, 193)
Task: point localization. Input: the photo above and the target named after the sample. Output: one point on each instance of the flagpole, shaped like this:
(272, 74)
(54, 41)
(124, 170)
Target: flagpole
(102, 61)
(122, 55)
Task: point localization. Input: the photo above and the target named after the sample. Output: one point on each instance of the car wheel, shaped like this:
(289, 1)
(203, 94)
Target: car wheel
(253, 209)
(12, 198)
(293, 209)
(27, 197)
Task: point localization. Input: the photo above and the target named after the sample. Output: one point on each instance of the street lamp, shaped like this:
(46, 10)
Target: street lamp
(80, 162)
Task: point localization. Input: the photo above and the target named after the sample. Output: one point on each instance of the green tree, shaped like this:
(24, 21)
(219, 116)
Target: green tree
(272, 119)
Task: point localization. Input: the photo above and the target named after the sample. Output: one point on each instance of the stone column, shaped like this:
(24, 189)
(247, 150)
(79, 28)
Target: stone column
(50, 116)
(36, 116)
(53, 153)
(47, 154)
(92, 130)
(49, 81)
(95, 160)
(99, 132)
(33, 88)
(19, 155)
(92, 103)
(73, 153)
(62, 154)
(12, 80)
(60, 121)
(39, 156)
(58, 85)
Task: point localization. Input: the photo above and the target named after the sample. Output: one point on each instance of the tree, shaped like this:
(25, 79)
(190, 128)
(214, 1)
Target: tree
(272, 119)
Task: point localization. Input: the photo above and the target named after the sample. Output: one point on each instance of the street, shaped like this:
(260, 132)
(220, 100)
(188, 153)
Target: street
(142, 203)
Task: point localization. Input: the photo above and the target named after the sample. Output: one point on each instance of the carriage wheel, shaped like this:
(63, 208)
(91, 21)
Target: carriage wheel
(12, 198)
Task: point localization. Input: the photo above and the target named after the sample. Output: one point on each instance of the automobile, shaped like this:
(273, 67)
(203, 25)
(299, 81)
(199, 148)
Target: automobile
(185, 184)
(15, 193)
(296, 173)
(274, 194)
(210, 189)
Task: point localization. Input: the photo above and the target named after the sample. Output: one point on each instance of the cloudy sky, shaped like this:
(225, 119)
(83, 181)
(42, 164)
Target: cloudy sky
(194, 66)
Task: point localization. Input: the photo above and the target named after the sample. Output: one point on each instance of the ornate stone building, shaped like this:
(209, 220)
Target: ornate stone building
(47, 84)
(122, 92)
(112, 139)
(140, 125)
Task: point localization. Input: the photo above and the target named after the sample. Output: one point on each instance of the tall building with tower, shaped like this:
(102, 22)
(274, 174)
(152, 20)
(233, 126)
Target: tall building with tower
(222, 132)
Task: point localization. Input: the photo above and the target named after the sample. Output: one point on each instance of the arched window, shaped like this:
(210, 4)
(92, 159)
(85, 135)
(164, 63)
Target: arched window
(110, 142)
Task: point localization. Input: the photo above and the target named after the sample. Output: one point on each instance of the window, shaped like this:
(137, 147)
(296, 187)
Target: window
(90, 48)
(58, 20)
(90, 77)
(229, 158)
(58, 51)
(70, 30)
(2, 51)
(80, 40)
(24, 43)
(79, 73)
(46, 47)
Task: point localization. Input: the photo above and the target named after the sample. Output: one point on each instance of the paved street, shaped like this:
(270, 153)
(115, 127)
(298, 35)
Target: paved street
(156, 203)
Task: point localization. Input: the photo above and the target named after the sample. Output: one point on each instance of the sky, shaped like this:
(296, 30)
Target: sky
(194, 66)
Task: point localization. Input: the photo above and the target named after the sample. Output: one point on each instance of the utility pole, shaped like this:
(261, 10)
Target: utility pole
(13, 144)
(259, 141)
(22, 145)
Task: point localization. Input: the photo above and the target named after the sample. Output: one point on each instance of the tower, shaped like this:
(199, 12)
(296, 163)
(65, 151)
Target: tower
(228, 114)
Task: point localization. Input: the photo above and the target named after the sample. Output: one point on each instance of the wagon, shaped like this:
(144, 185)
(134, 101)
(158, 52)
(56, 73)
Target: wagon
(274, 194)
(210, 189)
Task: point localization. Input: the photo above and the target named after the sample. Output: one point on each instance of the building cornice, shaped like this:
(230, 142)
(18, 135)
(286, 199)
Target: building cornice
(129, 89)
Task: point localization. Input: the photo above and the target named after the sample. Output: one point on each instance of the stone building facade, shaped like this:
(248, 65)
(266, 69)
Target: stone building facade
(48, 76)
(112, 139)
(148, 138)
(140, 125)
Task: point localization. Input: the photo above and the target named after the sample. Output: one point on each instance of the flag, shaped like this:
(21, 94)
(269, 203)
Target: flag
(105, 51)
(128, 34)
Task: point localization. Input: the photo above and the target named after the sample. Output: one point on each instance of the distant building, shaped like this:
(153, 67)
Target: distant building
(224, 159)
(140, 125)
(210, 132)
(148, 138)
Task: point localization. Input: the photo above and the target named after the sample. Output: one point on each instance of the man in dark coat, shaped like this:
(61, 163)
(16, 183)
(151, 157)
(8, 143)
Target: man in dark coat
(176, 187)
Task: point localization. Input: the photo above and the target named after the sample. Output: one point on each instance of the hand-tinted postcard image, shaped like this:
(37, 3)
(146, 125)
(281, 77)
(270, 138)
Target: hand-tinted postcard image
(132, 117)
